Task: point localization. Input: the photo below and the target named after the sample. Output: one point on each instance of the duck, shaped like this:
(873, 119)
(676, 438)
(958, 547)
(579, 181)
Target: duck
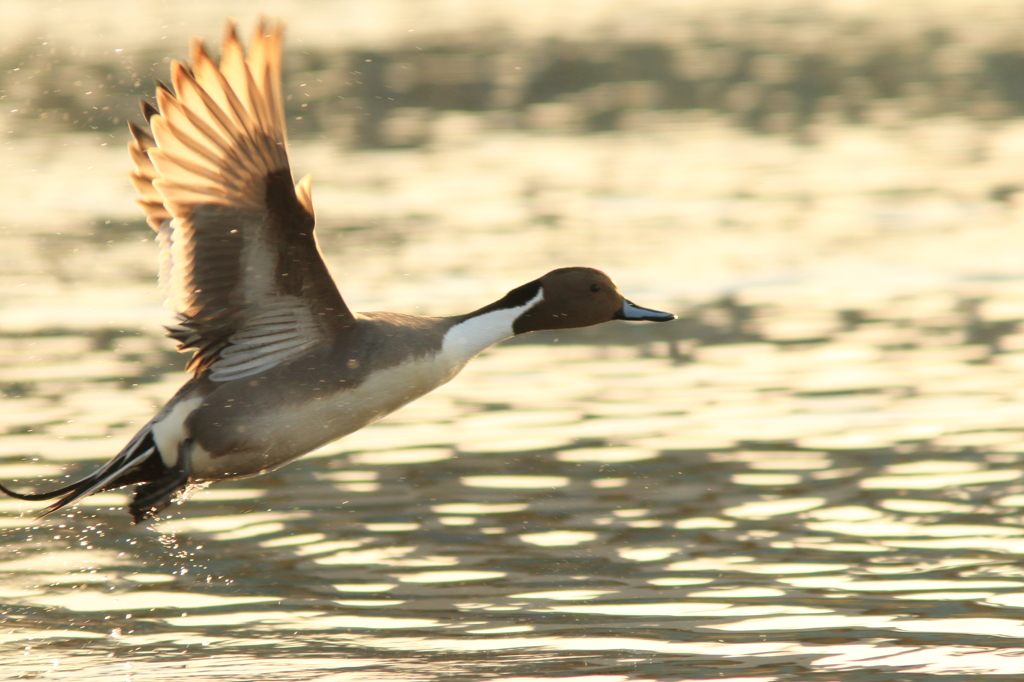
(280, 365)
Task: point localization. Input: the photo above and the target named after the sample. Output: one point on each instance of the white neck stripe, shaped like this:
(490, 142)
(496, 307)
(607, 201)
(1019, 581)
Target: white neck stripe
(468, 338)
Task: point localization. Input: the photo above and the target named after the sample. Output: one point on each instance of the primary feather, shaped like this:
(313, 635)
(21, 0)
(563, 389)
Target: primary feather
(239, 264)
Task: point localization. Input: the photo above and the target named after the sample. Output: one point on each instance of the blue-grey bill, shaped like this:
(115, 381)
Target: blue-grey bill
(631, 311)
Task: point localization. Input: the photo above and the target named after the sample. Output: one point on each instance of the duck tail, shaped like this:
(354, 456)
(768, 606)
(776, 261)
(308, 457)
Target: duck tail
(138, 462)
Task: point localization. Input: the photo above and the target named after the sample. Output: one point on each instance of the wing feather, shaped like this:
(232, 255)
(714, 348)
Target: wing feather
(239, 262)
(142, 178)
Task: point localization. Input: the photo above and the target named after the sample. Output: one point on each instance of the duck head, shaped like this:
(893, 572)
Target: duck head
(574, 297)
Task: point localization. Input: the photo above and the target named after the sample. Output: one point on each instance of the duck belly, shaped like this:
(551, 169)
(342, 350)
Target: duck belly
(236, 438)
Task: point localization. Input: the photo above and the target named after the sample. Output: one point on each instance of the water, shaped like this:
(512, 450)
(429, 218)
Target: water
(814, 474)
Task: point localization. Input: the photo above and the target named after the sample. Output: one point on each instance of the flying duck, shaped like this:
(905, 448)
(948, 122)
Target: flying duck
(280, 364)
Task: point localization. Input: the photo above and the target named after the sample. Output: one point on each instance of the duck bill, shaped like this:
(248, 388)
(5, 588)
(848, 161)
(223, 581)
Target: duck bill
(631, 311)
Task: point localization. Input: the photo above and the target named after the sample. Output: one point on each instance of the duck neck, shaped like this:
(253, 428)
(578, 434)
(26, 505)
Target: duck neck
(483, 328)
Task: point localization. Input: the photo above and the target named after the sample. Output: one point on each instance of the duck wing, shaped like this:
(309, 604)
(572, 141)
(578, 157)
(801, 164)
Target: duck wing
(239, 262)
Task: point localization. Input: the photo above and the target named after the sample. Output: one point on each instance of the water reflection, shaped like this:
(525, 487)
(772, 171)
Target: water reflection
(535, 564)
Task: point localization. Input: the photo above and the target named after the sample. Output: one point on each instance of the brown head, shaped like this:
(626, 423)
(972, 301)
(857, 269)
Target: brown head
(574, 297)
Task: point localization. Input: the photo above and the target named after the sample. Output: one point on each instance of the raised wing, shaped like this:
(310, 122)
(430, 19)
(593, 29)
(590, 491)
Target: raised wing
(238, 260)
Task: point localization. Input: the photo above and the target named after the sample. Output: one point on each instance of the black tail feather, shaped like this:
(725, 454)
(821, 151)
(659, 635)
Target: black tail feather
(93, 484)
(138, 462)
(35, 497)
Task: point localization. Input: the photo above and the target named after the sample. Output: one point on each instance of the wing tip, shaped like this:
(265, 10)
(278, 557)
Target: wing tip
(141, 137)
(230, 35)
(148, 109)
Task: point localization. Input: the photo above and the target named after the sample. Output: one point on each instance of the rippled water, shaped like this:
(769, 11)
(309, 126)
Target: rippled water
(816, 477)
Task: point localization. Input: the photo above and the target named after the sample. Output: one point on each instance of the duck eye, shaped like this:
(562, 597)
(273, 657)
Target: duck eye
(595, 288)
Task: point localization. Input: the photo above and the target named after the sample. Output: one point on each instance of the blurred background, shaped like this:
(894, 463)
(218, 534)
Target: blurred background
(383, 74)
(827, 192)
(695, 148)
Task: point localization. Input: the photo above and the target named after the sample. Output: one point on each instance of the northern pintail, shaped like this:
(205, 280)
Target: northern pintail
(280, 364)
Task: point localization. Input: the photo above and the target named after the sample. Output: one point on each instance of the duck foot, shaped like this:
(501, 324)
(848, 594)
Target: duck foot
(152, 498)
